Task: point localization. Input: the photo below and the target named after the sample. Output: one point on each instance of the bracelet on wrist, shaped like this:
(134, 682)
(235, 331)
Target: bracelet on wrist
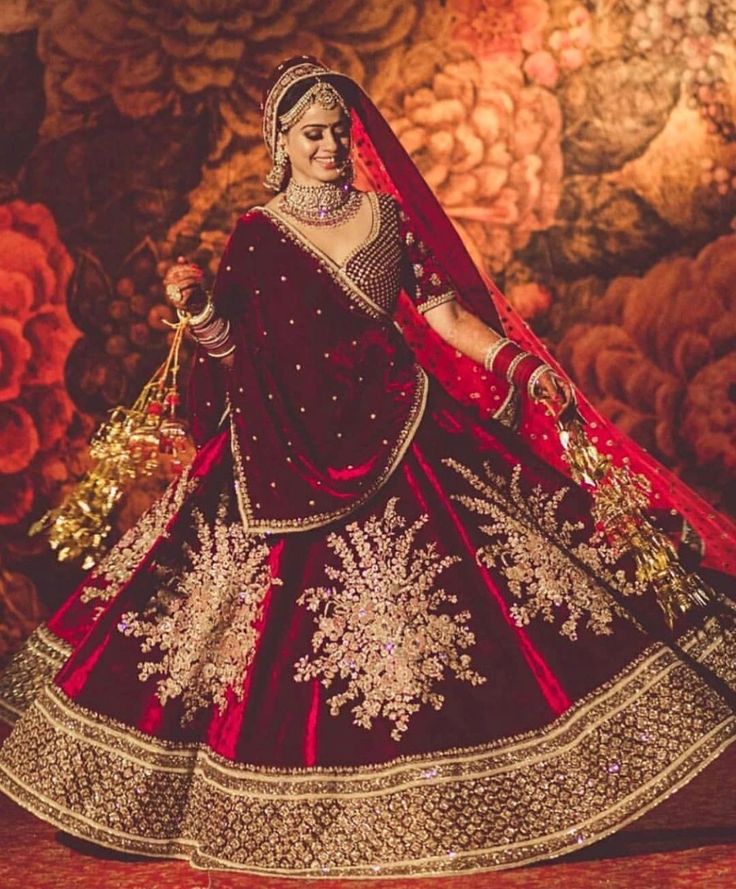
(533, 381)
(494, 350)
(229, 351)
(513, 365)
(211, 331)
(204, 315)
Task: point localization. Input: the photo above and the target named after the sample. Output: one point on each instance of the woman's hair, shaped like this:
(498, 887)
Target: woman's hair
(295, 92)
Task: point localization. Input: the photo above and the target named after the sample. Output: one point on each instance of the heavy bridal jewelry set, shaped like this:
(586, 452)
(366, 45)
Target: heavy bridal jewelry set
(329, 204)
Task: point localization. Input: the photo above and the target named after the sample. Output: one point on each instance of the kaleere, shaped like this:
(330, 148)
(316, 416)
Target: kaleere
(127, 446)
(620, 503)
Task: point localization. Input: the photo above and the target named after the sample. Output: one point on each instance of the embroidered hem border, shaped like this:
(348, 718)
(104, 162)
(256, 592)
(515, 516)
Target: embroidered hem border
(435, 301)
(613, 756)
(31, 667)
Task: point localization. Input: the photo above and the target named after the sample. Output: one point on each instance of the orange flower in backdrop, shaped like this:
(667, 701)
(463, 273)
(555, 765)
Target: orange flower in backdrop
(530, 300)
(658, 356)
(508, 27)
(489, 146)
(36, 335)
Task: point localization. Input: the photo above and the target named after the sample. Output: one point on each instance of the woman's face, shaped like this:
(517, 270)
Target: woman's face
(318, 145)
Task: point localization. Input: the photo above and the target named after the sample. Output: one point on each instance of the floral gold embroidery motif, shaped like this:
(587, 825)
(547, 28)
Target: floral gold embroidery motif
(532, 546)
(380, 627)
(125, 557)
(207, 622)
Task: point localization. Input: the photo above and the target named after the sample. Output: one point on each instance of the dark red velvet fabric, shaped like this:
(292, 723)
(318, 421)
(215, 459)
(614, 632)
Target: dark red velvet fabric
(324, 396)
(533, 674)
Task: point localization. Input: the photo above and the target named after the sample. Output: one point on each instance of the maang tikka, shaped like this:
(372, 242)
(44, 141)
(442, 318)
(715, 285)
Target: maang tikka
(324, 94)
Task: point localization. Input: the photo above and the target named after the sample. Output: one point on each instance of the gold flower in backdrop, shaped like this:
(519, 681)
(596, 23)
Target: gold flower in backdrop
(701, 34)
(36, 335)
(658, 356)
(145, 56)
(20, 609)
(209, 57)
(488, 144)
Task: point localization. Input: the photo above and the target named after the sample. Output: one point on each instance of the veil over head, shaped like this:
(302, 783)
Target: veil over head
(382, 165)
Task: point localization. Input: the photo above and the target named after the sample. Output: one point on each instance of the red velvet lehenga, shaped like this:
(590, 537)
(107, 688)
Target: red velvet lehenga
(371, 630)
(393, 646)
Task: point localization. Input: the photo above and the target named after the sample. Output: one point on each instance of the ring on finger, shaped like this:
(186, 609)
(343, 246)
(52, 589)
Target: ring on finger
(174, 293)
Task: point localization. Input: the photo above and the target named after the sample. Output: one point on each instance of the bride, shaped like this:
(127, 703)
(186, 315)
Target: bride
(372, 629)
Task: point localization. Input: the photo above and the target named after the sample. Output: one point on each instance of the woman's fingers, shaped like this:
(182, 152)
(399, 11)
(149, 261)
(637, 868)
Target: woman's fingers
(181, 274)
(566, 392)
(181, 280)
(185, 282)
(556, 393)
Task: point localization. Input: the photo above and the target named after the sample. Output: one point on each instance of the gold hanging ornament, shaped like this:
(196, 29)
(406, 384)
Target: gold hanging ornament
(125, 447)
(620, 502)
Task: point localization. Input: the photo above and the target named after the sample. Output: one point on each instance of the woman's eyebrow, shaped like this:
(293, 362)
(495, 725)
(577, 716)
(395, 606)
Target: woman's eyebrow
(322, 126)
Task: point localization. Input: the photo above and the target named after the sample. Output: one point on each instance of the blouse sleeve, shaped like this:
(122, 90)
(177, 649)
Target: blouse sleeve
(422, 276)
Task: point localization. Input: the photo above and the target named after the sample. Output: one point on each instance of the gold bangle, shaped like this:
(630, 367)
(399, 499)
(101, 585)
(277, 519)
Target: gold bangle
(204, 316)
(515, 362)
(535, 376)
(228, 351)
(493, 351)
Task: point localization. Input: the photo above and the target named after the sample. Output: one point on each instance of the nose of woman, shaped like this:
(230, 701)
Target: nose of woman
(329, 142)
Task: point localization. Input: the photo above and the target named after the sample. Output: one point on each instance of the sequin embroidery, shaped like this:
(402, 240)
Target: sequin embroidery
(532, 546)
(206, 621)
(380, 627)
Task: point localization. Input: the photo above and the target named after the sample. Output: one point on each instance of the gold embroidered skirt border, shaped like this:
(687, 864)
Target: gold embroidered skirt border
(605, 762)
(33, 666)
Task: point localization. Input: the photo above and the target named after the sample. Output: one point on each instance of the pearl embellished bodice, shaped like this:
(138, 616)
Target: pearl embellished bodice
(375, 265)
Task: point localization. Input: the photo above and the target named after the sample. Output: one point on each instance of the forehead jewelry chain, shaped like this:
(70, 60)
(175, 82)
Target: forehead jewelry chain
(329, 204)
(322, 94)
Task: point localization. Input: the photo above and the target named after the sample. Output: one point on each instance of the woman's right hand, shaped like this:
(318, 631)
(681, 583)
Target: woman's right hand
(183, 284)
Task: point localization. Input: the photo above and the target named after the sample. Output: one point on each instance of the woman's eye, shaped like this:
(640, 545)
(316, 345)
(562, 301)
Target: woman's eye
(314, 137)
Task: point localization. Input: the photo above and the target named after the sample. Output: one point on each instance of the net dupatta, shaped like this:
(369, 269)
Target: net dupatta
(383, 165)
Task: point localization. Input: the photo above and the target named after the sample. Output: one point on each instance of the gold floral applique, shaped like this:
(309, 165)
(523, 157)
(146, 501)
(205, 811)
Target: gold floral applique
(540, 554)
(207, 622)
(119, 565)
(380, 628)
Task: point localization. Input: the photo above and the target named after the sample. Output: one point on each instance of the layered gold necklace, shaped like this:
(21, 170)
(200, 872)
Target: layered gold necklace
(329, 204)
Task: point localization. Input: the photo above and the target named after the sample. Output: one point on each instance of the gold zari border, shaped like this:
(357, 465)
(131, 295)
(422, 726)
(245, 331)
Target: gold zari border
(613, 756)
(435, 301)
(31, 667)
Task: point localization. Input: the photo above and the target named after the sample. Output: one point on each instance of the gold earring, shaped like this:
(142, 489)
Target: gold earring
(274, 181)
(348, 170)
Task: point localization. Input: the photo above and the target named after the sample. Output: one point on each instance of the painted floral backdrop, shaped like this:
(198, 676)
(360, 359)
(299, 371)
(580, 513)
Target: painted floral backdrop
(585, 150)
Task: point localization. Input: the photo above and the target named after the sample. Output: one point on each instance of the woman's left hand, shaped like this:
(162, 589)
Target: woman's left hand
(555, 392)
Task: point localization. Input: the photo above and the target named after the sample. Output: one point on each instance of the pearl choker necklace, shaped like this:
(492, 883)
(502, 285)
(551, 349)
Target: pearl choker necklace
(329, 204)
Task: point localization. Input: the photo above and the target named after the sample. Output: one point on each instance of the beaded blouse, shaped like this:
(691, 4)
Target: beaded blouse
(392, 257)
(375, 265)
